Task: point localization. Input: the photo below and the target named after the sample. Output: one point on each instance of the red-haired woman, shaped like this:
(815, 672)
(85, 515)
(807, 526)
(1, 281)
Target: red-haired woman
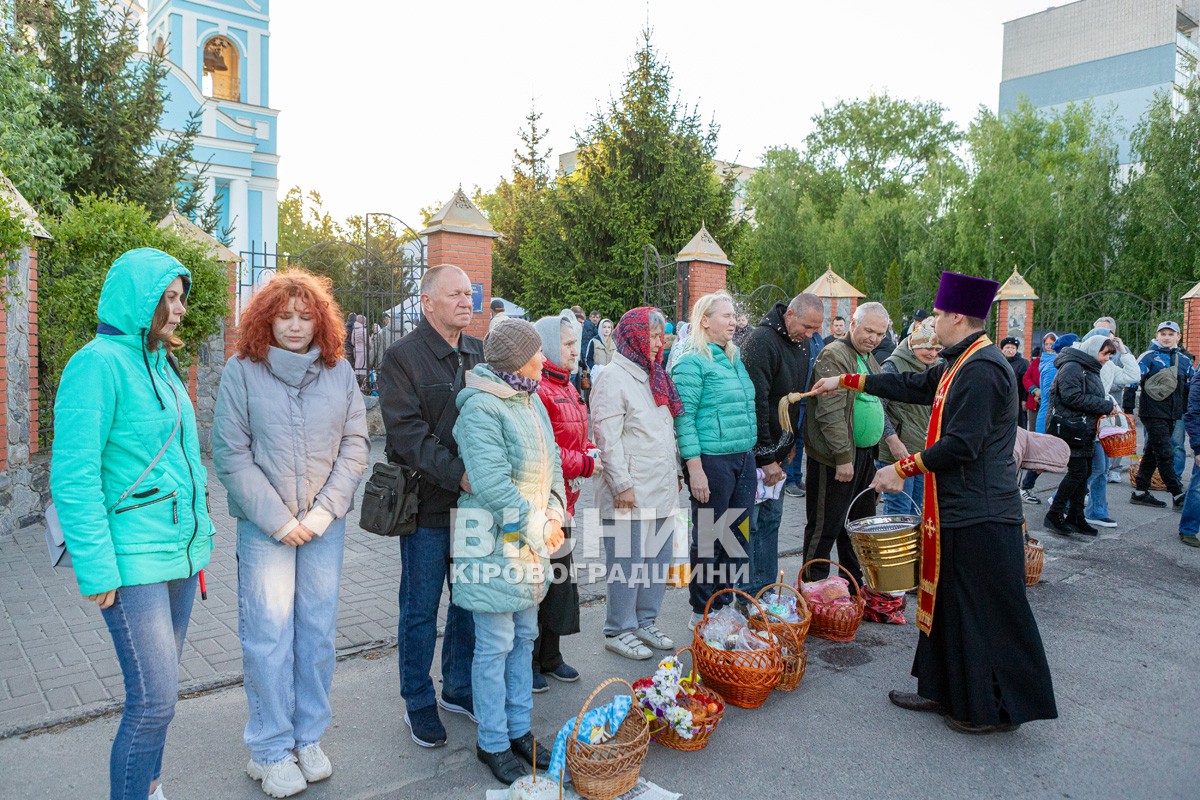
(290, 446)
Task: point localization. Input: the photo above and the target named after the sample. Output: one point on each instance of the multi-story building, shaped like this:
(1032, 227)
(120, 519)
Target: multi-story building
(1117, 53)
(218, 54)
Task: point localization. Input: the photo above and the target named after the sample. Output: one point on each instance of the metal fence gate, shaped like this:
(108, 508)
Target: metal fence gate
(1137, 317)
(664, 286)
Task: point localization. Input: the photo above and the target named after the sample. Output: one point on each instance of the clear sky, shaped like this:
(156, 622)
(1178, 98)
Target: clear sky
(389, 106)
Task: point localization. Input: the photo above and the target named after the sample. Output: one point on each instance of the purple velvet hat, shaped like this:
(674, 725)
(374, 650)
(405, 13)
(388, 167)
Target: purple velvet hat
(964, 294)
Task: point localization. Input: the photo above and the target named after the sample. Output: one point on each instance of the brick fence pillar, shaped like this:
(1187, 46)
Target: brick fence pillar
(1014, 311)
(704, 270)
(459, 234)
(840, 298)
(1191, 319)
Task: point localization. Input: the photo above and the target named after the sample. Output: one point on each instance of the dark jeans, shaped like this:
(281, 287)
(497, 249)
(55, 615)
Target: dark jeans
(424, 570)
(1160, 455)
(731, 483)
(827, 502)
(1028, 481)
(1069, 497)
(764, 545)
(148, 624)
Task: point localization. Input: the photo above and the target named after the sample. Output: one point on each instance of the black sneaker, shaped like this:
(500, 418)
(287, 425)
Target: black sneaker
(504, 766)
(522, 748)
(1146, 499)
(565, 673)
(1056, 523)
(539, 683)
(458, 705)
(1081, 526)
(426, 727)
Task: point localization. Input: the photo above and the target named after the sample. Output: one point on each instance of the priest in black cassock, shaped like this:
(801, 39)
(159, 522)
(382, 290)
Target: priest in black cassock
(980, 661)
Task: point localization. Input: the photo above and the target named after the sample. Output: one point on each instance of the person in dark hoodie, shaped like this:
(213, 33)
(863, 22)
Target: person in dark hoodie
(1164, 398)
(776, 356)
(1077, 396)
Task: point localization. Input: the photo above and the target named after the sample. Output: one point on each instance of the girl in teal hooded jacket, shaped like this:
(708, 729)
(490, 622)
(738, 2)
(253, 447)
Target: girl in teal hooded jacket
(135, 553)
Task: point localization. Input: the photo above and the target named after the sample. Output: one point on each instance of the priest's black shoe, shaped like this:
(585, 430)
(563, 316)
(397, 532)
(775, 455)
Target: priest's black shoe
(977, 729)
(914, 702)
(1058, 524)
(504, 766)
(523, 747)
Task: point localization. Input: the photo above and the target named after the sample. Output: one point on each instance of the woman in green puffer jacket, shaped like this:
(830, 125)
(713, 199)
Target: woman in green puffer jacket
(716, 433)
(138, 534)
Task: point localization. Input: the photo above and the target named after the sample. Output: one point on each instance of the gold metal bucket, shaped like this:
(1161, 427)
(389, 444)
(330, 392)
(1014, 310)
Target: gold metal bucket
(888, 547)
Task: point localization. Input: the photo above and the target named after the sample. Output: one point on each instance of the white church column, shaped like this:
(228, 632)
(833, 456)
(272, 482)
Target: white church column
(239, 215)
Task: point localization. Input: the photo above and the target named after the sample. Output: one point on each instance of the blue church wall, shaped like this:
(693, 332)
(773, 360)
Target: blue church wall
(222, 196)
(247, 112)
(265, 59)
(231, 9)
(175, 45)
(263, 170)
(175, 113)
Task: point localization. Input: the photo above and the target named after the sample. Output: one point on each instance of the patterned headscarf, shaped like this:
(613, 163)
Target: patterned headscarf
(633, 341)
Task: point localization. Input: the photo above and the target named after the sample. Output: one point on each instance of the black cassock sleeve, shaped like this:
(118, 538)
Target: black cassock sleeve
(917, 388)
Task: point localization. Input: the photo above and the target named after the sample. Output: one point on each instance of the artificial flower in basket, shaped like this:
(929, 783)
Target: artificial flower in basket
(676, 707)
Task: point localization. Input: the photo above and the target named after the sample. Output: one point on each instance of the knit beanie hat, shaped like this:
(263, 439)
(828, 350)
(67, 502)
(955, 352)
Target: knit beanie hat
(510, 344)
(1064, 342)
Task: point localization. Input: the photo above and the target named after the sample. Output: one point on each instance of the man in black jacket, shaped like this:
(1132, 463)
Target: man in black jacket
(420, 377)
(980, 660)
(1011, 348)
(776, 356)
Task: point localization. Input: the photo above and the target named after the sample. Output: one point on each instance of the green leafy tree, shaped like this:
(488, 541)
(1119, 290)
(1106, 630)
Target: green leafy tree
(1161, 232)
(111, 98)
(891, 292)
(645, 176)
(37, 152)
(516, 206)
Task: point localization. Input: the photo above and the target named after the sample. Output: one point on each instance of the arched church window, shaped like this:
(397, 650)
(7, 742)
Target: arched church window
(221, 73)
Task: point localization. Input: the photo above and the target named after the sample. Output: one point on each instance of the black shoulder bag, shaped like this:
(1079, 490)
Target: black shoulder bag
(389, 504)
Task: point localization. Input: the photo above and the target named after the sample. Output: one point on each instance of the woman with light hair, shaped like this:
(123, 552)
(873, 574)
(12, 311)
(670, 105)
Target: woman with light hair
(716, 433)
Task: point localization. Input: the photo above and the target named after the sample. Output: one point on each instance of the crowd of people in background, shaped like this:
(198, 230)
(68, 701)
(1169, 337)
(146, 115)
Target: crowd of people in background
(500, 436)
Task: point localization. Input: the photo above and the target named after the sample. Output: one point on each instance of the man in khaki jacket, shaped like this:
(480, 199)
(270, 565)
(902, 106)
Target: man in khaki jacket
(841, 433)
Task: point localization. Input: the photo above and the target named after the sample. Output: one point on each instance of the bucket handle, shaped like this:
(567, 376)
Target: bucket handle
(846, 522)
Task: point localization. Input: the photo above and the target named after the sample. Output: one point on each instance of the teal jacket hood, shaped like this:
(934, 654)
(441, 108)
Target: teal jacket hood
(133, 286)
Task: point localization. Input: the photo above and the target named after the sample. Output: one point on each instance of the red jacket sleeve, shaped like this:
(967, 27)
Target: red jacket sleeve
(1033, 376)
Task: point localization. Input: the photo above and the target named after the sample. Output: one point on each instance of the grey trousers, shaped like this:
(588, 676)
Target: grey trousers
(636, 581)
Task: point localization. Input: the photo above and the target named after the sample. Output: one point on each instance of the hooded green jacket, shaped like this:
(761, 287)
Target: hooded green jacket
(116, 406)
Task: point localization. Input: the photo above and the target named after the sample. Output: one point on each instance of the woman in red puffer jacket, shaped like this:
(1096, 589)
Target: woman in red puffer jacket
(558, 615)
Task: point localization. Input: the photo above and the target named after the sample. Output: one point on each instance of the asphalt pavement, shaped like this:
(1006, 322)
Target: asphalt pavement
(1117, 614)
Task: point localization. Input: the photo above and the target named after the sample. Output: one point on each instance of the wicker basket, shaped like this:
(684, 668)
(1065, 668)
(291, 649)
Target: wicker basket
(1156, 482)
(1119, 444)
(836, 623)
(743, 678)
(666, 735)
(1035, 559)
(795, 656)
(607, 770)
(799, 630)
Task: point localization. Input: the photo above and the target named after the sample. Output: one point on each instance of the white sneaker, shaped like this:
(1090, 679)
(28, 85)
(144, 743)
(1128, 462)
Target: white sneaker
(1030, 497)
(314, 764)
(651, 635)
(627, 645)
(157, 794)
(695, 620)
(278, 780)
(1114, 476)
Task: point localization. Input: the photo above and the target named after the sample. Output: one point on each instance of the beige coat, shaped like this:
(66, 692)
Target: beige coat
(636, 440)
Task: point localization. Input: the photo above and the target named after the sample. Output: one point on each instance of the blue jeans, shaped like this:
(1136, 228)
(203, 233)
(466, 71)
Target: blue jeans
(1189, 521)
(424, 570)
(1097, 504)
(794, 471)
(287, 621)
(502, 675)
(148, 624)
(896, 503)
(1178, 434)
(763, 547)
